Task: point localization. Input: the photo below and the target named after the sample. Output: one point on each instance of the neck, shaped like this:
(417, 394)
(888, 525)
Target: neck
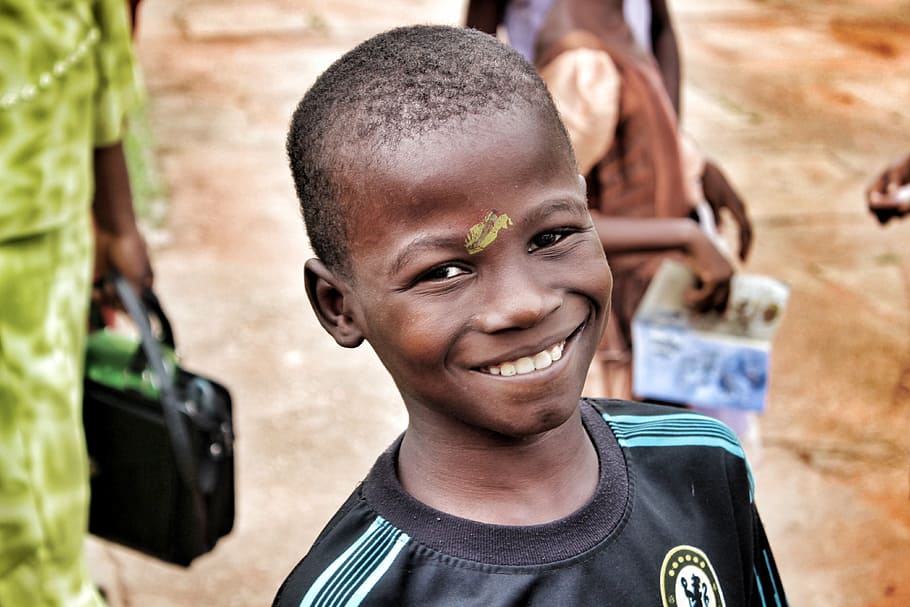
(501, 480)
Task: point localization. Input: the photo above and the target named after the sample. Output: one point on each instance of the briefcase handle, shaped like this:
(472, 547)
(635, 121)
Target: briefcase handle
(162, 378)
(165, 334)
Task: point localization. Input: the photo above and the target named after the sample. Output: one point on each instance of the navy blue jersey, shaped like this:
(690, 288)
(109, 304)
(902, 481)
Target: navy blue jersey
(672, 523)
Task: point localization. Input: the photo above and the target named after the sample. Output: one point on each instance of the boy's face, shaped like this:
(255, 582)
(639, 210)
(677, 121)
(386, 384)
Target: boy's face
(478, 277)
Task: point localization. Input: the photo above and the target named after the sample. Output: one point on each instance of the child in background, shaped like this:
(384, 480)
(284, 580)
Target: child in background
(452, 233)
(648, 20)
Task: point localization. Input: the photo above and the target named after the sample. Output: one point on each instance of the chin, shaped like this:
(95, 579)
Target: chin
(539, 419)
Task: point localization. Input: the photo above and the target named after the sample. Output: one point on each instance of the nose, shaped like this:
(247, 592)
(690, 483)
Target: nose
(515, 300)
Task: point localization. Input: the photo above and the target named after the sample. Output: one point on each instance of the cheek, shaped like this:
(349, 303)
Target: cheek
(421, 340)
(424, 343)
(594, 270)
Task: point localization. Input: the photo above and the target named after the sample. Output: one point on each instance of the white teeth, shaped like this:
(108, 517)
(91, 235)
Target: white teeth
(556, 351)
(527, 364)
(524, 365)
(542, 360)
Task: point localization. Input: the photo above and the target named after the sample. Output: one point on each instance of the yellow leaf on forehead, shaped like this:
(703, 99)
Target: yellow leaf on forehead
(481, 235)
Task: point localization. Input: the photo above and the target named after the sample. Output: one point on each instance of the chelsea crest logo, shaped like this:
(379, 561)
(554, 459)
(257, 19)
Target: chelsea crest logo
(687, 579)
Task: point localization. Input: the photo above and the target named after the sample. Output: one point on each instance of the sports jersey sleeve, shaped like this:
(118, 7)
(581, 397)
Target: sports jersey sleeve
(768, 588)
(763, 586)
(348, 559)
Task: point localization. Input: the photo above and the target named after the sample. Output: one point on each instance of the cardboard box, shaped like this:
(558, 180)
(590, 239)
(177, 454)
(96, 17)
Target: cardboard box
(708, 360)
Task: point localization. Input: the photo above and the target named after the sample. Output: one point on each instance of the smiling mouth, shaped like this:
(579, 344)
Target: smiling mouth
(528, 364)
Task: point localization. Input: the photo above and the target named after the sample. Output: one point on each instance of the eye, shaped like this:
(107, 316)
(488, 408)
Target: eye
(548, 239)
(442, 272)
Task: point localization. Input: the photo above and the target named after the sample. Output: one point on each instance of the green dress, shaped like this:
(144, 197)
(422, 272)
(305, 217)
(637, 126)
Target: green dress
(67, 77)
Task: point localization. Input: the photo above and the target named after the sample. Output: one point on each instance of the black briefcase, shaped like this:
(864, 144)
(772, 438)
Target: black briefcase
(160, 441)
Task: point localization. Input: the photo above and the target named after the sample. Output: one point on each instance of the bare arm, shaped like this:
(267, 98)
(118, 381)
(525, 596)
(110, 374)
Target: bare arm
(666, 49)
(628, 235)
(485, 15)
(720, 195)
(119, 245)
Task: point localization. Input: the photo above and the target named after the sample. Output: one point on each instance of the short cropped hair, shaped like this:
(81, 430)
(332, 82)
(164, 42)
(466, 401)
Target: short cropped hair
(398, 85)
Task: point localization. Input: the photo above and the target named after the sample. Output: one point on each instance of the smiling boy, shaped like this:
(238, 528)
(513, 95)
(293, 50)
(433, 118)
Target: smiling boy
(451, 229)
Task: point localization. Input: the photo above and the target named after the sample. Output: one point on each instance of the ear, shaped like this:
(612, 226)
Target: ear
(331, 299)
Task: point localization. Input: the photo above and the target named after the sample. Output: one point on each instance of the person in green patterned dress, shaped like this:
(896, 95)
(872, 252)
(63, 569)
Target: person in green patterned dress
(67, 77)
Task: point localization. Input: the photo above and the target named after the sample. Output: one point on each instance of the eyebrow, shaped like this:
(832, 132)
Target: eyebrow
(426, 243)
(551, 207)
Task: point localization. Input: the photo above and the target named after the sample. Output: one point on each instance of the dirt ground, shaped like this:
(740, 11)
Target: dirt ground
(800, 101)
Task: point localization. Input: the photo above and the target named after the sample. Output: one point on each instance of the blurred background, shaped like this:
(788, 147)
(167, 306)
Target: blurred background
(804, 103)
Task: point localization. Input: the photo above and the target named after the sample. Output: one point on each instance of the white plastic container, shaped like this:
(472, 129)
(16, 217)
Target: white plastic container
(706, 360)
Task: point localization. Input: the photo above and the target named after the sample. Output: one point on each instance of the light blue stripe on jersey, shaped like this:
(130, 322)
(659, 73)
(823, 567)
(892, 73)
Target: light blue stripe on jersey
(758, 584)
(348, 580)
(672, 430)
(771, 577)
(676, 430)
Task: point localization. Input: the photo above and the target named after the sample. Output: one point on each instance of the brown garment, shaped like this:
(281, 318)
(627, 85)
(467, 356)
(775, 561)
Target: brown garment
(641, 175)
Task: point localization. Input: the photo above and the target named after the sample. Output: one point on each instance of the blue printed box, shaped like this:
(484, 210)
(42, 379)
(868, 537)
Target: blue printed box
(708, 360)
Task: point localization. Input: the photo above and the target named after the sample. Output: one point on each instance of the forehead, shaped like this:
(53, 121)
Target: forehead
(460, 168)
(437, 186)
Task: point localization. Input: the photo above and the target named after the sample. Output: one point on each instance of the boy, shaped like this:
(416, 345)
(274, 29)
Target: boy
(442, 199)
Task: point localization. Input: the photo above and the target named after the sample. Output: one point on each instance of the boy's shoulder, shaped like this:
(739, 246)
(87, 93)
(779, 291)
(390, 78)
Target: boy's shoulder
(351, 521)
(637, 424)
(610, 408)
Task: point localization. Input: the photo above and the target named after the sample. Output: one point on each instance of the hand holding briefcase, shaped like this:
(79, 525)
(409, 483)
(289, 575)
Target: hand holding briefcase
(160, 441)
